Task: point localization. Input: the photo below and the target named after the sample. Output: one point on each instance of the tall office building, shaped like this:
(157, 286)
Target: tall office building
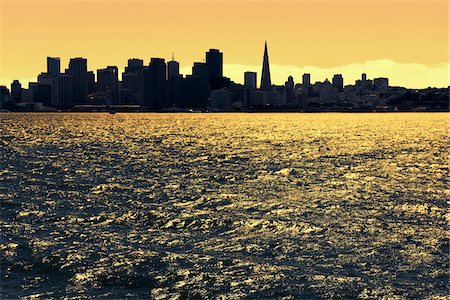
(174, 83)
(289, 87)
(130, 82)
(90, 82)
(53, 66)
(195, 92)
(173, 69)
(200, 70)
(306, 86)
(16, 91)
(199, 84)
(108, 82)
(65, 90)
(48, 95)
(155, 84)
(214, 60)
(338, 82)
(250, 79)
(266, 83)
(325, 91)
(136, 66)
(78, 70)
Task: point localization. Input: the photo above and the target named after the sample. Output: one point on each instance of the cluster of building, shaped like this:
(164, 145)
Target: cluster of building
(159, 86)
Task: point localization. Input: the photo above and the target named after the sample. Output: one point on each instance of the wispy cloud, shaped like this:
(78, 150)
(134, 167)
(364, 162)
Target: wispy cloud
(399, 74)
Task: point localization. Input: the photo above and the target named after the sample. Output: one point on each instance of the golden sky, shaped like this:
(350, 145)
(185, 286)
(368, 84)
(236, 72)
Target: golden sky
(406, 40)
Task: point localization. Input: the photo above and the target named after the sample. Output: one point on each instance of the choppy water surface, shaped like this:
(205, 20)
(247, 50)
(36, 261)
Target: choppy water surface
(232, 205)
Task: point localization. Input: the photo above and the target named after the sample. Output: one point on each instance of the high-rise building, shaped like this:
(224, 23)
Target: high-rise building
(136, 65)
(289, 87)
(65, 90)
(306, 79)
(214, 60)
(195, 92)
(90, 82)
(108, 82)
(338, 82)
(4, 97)
(266, 83)
(44, 94)
(53, 66)
(306, 86)
(250, 80)
(200, 70)
(155, 84)
(48, 95)
(173, 69)
(16, 91)
(33, 88)
(174, 83)
(130, 82)
(325, 91)
(78, 70)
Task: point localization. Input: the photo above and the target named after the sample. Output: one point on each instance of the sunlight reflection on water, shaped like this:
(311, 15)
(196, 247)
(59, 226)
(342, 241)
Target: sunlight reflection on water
(238, 205)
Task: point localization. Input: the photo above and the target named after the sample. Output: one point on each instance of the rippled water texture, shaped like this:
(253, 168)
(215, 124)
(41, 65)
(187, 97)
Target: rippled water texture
(232, 205)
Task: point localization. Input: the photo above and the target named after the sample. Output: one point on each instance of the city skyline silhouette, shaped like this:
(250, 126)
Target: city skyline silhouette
(159, 86)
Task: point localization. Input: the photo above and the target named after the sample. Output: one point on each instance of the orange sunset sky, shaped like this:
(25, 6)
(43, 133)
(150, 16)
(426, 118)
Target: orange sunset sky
(404, 40)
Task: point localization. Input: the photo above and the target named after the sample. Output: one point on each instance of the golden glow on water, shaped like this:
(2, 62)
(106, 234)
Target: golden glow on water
(303, 205)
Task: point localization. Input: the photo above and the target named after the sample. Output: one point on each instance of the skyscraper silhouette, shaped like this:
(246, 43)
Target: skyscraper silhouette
(108, 82)
(266, 84)
(214, 60)
(16, 91)
(250, 79)
(78, 70)
(53, 66)
(155, 84)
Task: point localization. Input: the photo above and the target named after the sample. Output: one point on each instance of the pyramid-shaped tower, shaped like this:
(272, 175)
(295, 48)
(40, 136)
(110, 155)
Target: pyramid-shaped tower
(266, 84)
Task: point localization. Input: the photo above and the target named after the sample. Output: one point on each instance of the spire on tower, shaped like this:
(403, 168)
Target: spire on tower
(266, 84)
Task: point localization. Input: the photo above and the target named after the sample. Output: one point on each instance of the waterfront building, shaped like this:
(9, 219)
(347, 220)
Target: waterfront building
(155, 84)
(214, 60)
(289, 91)
(338, 82)
(250, 79)
(65, 91)
(108, 83)
(53, 66)
(16, 91)
(48, 95)
(174, 83)
(90, 82)
(306, 87)
(136, 65)
(78, 70)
